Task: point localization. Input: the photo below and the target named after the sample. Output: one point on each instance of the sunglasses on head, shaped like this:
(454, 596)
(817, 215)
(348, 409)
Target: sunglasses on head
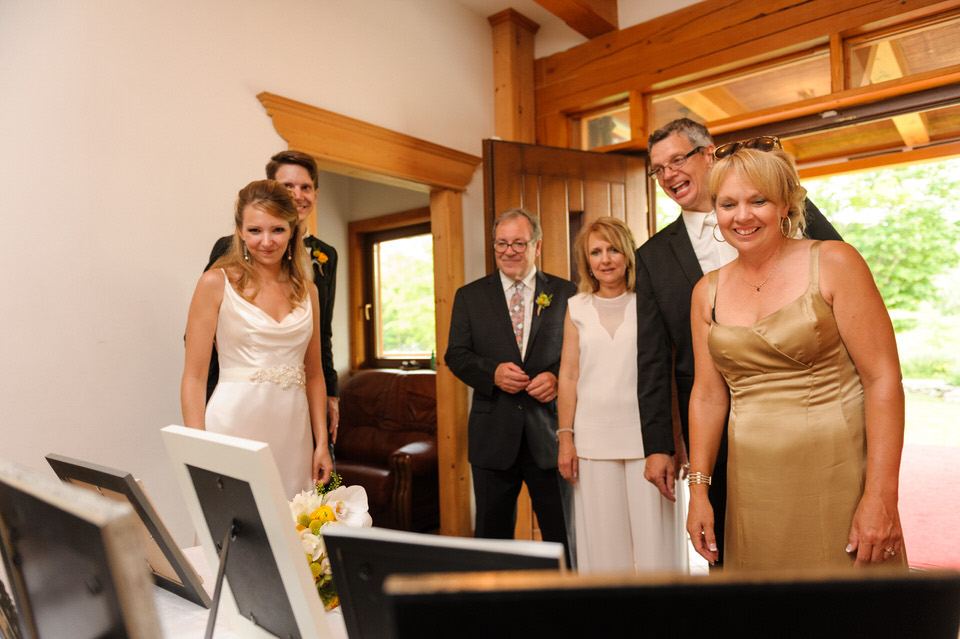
(762, 143)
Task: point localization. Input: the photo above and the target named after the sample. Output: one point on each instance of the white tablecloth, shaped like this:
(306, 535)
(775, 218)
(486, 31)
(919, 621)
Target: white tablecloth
(182, 619)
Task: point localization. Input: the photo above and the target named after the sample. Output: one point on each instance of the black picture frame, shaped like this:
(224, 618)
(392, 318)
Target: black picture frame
(171, 570)
(73, 560)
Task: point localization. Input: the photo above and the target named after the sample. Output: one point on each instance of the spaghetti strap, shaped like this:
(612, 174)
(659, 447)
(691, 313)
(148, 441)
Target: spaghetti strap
(815, 264)
(712, 278)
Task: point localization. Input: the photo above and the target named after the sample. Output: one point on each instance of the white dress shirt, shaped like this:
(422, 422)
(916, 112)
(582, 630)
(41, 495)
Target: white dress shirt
(529, 285)
(710, 253)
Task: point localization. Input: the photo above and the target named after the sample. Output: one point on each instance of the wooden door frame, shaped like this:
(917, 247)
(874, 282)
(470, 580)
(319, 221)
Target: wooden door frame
(357, 149)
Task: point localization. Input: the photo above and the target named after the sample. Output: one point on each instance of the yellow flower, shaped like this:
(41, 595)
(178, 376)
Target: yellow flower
(543, 301)
(323, 514)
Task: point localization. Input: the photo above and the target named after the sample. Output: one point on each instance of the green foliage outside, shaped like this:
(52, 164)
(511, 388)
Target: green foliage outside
(405, 268)
(906, 224)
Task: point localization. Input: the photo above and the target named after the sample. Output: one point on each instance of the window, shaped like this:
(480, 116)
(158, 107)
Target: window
(605, 127)
(783, 82)
(400, 311)
(395, 326)
(907, 52)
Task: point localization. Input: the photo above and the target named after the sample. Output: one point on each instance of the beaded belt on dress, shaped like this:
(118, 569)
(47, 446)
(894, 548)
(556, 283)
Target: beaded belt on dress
(283, 376)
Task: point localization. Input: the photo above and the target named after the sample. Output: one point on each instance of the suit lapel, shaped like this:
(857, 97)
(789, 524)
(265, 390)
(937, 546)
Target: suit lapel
(683, 251)
(542, 285)
(498, 306)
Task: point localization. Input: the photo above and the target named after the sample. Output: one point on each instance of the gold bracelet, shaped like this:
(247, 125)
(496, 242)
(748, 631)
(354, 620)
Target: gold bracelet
(696, 479)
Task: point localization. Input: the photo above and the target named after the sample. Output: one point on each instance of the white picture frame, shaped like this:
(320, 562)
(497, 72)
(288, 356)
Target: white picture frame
(250, 462)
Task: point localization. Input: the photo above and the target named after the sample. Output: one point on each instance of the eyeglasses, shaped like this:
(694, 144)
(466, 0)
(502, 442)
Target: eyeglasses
(762, 143)
(518, 246)
(676, 163)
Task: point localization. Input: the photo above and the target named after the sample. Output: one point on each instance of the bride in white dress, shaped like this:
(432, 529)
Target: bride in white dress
(259, 304)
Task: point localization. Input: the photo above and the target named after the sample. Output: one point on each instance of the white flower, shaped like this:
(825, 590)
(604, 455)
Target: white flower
(349, 504)
(312, 544)
(304, 504)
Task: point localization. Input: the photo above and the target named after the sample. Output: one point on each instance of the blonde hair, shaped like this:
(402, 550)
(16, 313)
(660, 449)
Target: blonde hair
(616, 232)
(772, 173)
(273, 198)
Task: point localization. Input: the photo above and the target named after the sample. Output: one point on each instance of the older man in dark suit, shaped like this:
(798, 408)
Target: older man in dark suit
(506, 334)
(298, 172)
(669, 264)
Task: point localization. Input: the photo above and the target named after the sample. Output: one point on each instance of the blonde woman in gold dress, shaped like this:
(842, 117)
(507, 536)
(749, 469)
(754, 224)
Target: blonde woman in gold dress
(793, 341)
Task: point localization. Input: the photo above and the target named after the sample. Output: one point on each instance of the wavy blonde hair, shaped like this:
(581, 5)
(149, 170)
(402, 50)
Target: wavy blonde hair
(772, 173)
(612, 230)
(273, 198)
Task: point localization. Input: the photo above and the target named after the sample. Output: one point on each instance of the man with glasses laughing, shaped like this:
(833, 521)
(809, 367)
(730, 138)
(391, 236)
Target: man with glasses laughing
(669, 264)
(506, 333)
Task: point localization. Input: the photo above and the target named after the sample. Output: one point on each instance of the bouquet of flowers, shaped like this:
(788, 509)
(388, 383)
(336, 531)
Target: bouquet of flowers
(314, 510)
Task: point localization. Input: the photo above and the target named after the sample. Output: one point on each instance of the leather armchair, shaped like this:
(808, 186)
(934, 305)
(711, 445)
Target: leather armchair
(388, 444)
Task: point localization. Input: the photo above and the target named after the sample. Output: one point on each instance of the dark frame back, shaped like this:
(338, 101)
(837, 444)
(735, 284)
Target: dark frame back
(98, 478)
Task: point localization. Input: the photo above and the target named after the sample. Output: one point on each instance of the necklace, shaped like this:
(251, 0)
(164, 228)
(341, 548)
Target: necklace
(769, 275)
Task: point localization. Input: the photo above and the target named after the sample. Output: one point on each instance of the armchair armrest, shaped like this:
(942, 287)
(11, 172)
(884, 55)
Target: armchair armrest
(414, 459)
(419, 457)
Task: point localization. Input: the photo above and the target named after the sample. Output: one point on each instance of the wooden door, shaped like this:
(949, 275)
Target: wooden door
(566, 189)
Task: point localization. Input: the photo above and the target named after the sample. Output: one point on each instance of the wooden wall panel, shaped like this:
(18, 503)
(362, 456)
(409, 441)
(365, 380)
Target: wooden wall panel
(556, 225)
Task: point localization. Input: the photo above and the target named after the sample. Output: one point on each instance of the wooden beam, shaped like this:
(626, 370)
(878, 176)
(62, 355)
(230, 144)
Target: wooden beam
(590, 18)
(513, 96)
(912, 129)
(838, 64)
(446, 224)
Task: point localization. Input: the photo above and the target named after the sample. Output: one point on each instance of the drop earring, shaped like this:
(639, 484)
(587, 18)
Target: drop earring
(246, 254)
(290, 251)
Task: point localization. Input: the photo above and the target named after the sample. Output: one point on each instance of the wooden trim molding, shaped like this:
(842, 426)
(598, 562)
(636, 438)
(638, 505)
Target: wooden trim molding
(351, 147)
(358, 149)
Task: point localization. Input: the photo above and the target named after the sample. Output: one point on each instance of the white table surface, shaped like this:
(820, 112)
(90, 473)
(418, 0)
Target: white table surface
(183, 619)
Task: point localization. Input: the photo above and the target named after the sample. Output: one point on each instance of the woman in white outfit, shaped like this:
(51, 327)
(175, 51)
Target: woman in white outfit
(259, 304)
(623, 524)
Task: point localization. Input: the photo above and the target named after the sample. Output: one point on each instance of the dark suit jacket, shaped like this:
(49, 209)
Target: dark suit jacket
(481, 338)
(326, 282)
(667, 270)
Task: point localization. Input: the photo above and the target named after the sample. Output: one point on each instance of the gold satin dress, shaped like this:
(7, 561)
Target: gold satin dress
(797, 442)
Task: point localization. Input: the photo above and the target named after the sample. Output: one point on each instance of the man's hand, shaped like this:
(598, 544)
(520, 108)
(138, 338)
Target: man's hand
(543, 387)
(660, 471)
(510, 378)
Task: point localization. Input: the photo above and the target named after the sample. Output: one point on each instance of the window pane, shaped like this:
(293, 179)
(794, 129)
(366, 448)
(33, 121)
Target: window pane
(405, 309)
(774, 85)
(905, 53)
(603, 128)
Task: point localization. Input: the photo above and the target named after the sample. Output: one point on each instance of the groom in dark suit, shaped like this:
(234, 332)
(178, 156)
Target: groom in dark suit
(669, 264)
(298, 172)
(506, 333)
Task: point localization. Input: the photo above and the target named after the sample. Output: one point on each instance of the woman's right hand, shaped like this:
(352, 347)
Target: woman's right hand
(700, 526)
(567, 461)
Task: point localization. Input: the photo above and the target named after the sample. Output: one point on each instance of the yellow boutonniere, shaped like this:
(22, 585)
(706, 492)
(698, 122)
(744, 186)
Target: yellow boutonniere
(319, 258)
(543, 301)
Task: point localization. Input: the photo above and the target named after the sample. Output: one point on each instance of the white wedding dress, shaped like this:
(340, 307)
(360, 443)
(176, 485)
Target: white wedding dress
(261, 393)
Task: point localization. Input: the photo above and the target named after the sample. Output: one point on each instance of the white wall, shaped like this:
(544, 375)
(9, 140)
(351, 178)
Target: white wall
(126, 129)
